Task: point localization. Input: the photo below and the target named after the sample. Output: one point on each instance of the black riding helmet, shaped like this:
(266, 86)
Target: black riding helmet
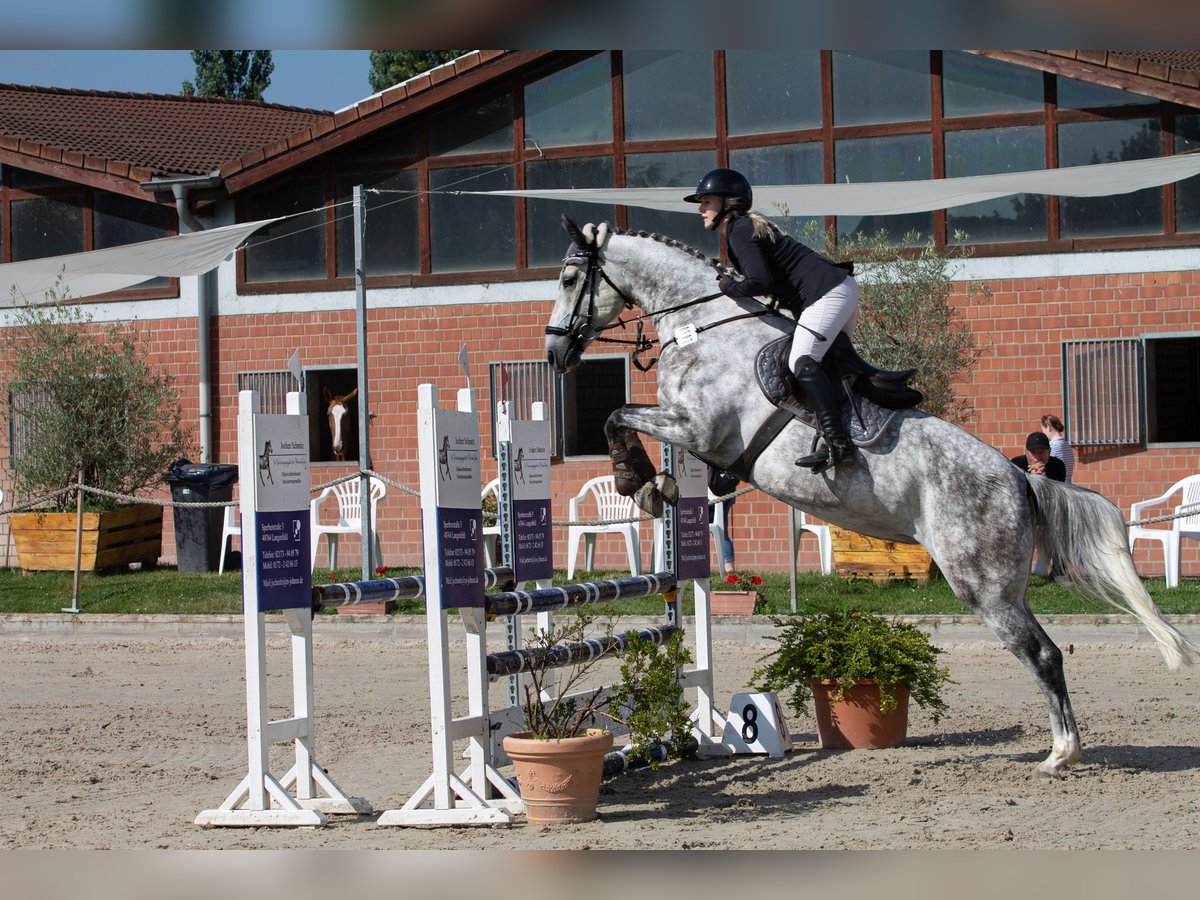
(723, 183)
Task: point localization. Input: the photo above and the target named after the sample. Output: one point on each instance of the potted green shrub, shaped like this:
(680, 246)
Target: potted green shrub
(854, 664)
(84, 399)
(559, 757)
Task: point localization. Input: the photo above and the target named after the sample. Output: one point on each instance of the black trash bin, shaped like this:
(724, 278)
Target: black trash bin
(198, 529)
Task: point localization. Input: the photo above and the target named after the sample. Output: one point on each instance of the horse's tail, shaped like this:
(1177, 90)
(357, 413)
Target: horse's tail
(1084, 533)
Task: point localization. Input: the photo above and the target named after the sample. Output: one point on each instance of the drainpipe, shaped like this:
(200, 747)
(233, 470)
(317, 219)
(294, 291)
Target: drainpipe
(206, 294)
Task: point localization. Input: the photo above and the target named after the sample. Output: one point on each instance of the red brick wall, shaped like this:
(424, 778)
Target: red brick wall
(1018, 379)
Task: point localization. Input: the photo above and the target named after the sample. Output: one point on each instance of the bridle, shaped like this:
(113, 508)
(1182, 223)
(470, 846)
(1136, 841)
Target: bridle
(581, 330)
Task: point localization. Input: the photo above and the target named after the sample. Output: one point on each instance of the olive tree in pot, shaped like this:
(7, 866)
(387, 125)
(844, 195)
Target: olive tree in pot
(84, 400)
(859, 669)
(559, 757)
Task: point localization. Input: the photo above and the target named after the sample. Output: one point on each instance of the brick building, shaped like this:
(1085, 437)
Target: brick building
(1094, 313)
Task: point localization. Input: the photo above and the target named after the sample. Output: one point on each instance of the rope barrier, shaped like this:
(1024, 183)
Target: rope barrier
(1188, 509)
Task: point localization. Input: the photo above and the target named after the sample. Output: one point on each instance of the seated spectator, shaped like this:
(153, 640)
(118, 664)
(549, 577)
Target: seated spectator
(1052, 427)
(1036, 460)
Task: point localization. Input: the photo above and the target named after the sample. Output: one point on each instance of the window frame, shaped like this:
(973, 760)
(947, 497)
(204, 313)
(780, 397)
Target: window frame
(87, 195)
(414, 155)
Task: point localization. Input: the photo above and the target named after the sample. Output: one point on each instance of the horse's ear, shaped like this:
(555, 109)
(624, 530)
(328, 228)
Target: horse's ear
(350, 396)
(573, 230)
(601, 234)
(325, 393)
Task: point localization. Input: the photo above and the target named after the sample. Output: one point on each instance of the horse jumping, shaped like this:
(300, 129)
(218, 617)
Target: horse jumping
(924, 481)
(337, 409)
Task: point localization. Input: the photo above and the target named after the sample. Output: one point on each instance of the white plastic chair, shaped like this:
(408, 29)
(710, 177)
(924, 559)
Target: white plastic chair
(491, 533)
(232, 528)
(598, 500)
(824, 541)
(1170, 533)
(349, 520)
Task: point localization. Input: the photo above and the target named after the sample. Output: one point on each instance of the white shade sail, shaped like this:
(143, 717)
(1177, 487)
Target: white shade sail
(895, 197)
(115, 268)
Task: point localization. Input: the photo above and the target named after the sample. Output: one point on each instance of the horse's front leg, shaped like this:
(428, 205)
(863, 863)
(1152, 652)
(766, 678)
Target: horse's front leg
(635, 475)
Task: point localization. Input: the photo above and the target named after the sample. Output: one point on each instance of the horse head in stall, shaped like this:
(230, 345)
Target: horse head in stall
(337, 409)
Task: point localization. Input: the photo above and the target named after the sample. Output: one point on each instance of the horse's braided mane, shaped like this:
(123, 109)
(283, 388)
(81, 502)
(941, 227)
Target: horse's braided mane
(678, 245)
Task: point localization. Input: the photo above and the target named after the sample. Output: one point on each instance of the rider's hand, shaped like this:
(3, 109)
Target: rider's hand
(725, 282)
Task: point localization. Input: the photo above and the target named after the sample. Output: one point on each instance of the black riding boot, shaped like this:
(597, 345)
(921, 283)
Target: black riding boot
(817, 391)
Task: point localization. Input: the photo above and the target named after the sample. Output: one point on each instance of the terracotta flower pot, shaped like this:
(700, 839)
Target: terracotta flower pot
(855, 722)
(732, 603)
(559, 779)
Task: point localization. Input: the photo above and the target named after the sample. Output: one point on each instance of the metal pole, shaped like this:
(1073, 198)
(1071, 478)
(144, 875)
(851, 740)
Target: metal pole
(74, 607)
(364, 455)
(794, 545)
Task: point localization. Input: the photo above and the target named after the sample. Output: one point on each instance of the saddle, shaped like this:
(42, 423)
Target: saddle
(872, 397)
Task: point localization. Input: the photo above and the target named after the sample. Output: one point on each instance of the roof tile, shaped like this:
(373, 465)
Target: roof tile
(164, 133)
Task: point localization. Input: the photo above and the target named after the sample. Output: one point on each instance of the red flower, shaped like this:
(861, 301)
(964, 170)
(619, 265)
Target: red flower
(743, 582)
(333, 577)
(381, 570)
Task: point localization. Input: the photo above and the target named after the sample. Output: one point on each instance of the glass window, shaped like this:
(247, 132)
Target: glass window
(869, 88)
(23, 179)
(668, 95)
(1073, 94)
(785, 164)
(1084, 143)
(683, 170)
(976, 86)
(543, 218)
(469, 233)
(123, 220)
(1021, 217)
(1187, 192)
(573, 106)
(396, 145)
(772, 90)
(902, 158)
(391, 240)
(46, 226)
(474, 127)
(294, 249)
(591, 391)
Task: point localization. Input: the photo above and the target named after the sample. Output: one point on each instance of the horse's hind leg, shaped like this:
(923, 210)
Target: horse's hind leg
(1006, 613)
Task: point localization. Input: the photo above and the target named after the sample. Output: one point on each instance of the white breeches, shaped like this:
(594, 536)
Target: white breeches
(836, 311)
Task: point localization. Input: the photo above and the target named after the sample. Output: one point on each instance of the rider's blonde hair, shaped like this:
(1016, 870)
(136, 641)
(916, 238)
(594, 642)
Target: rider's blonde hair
(763, 227)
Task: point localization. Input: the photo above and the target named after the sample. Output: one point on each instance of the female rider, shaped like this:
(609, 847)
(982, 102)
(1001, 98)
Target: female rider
(822, 294)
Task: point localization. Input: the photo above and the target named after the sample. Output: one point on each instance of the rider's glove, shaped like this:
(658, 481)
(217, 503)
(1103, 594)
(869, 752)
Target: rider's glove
(725, 282)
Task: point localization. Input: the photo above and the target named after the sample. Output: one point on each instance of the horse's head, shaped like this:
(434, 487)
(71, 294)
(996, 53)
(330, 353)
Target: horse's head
(336, 408)
(587, 299)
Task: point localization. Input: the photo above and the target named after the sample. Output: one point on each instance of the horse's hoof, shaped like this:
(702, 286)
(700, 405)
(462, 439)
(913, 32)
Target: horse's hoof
(668, 487)
(649, 500)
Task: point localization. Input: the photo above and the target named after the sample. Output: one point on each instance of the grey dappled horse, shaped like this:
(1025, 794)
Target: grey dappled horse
(926, 481)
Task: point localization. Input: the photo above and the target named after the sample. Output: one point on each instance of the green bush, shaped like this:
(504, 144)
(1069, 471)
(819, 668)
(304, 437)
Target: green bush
(846, 646)
(85, 399)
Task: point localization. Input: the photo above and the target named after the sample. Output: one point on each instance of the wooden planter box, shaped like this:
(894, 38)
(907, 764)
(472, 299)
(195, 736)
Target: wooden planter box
(45, 541)
(858, 556)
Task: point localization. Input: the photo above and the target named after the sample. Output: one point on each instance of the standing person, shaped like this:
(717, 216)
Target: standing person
(822, 294)
(1060, 447)
(721, 483)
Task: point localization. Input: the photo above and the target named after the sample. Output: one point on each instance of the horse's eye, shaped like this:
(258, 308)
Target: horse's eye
(568, 279)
